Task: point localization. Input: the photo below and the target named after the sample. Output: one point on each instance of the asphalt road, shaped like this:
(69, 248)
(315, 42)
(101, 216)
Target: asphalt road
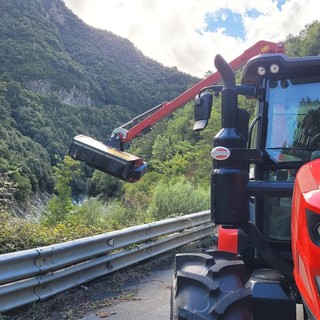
(150, 299)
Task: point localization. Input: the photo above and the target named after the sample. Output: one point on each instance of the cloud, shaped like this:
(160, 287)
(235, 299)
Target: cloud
(177, 33)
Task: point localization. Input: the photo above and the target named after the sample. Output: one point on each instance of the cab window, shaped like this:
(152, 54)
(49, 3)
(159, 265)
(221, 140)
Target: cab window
(293, 120)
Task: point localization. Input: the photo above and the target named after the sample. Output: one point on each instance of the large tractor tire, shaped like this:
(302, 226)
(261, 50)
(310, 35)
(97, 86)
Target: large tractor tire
(209, 287)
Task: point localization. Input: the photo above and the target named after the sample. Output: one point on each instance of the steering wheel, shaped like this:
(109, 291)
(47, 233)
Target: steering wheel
(314, 139)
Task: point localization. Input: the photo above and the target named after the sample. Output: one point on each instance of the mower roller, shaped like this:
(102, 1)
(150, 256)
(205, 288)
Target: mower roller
(100, 156)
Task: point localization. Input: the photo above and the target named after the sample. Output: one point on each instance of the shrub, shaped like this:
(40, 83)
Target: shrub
(60, 204)
(178, 198)
(105, 185)
(21, 234)
(109, 215)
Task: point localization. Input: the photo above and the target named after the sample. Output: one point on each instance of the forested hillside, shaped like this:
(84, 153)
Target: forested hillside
(60, 77)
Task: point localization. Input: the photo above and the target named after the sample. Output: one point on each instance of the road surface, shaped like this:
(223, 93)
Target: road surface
(150, 299)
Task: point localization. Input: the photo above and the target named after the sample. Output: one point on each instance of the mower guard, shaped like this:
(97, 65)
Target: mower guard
(98, 155)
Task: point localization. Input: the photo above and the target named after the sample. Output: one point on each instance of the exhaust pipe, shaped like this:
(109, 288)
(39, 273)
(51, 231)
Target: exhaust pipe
(229, 175)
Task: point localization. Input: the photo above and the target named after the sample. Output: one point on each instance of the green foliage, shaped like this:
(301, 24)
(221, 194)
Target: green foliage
(121, 217)
(36, 131)
(307, 43)
(105, 185)
(60, 204)
(92, 217)
(108, 216)
(49, 49)
(21, 234)
(173, 147)
(178, 197)
(137, 195)
(91, 212)
(7, 189)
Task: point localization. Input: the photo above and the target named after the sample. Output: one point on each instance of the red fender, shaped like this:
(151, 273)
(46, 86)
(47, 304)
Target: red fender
(305, 229)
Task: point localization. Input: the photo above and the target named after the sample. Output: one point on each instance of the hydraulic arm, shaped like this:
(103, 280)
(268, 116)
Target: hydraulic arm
(109, 156)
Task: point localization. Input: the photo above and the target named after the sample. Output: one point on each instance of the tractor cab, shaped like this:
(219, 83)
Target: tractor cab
(287, 131)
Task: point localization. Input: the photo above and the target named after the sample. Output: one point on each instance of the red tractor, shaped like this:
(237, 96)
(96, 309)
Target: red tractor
(265, 193)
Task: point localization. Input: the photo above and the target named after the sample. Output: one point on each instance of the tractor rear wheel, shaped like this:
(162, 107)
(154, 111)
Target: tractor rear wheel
(209, 287)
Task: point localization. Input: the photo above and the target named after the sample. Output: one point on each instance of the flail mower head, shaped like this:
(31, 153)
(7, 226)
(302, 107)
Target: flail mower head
(98, 155)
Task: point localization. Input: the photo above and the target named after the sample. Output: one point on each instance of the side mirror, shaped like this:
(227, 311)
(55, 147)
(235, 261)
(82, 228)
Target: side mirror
(202, 110)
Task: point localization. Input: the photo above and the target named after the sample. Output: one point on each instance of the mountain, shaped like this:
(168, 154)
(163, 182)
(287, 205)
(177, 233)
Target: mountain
(60, 77)
(49, 49)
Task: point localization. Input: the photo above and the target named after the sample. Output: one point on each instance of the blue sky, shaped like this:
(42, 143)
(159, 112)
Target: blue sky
(226, 20)
(232, 22)
(280, 3)
(189, 33)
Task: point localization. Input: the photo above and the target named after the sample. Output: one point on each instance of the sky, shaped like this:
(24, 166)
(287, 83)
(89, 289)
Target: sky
(187, 34)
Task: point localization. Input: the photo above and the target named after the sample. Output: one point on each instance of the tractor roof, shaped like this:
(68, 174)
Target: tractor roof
(279, 66)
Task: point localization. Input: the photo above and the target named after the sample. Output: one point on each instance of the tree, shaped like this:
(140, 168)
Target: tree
(306, 43)
(61, 204)
(105, 185)
(7, 189)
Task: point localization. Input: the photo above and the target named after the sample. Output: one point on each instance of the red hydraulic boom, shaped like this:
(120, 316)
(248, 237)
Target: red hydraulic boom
(167, 108)
(107, 156)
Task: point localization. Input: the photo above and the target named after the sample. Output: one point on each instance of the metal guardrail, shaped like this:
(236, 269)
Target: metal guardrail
(32, 275)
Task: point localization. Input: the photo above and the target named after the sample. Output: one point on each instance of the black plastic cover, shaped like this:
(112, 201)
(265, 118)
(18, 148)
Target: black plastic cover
(98, 155)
